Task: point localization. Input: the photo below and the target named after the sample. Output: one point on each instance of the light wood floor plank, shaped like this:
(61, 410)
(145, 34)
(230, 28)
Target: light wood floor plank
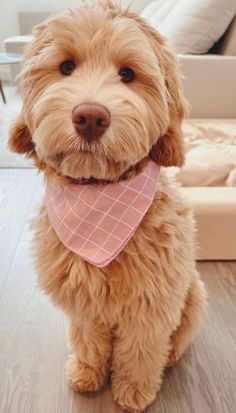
(17, 188)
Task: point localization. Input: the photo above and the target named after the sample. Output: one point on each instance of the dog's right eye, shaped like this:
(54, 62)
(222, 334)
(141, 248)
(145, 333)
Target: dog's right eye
(67, 67)
(126, 74)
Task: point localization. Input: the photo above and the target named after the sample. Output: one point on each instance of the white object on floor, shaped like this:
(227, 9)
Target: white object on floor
(191, 26)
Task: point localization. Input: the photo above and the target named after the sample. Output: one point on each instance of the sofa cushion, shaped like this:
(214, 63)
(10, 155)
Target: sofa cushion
(228, 42)
(191, 26)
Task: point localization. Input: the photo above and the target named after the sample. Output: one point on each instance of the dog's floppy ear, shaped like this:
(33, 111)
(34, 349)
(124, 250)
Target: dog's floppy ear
(20, 139)
(169, 149)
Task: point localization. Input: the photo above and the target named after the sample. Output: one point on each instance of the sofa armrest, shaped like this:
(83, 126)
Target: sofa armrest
(209, 84)
(215, 213)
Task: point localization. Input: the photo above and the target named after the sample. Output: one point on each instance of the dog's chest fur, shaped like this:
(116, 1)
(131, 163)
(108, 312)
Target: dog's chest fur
(145, 272)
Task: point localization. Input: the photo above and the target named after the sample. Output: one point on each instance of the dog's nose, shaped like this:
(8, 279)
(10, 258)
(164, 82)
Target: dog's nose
(90, 120)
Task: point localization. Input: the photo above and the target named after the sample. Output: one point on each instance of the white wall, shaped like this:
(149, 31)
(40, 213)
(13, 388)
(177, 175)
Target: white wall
(10, 8)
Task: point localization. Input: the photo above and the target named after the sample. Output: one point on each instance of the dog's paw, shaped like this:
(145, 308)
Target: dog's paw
(82, 377)
(132, 397)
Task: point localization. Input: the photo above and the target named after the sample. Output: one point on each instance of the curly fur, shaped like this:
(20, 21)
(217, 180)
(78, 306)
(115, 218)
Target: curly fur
(136, 316)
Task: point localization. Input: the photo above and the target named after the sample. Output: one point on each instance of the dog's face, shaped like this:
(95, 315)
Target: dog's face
(100, 92)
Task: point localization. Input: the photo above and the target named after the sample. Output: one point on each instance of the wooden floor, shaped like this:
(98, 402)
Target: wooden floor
(33, 346)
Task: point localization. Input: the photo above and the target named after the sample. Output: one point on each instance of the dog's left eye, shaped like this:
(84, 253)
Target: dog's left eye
(126, 74)
(67, 67)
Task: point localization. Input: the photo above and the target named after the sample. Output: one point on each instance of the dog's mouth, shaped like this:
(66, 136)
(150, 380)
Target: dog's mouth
(85, 167)
(92, 179)
(80, 162)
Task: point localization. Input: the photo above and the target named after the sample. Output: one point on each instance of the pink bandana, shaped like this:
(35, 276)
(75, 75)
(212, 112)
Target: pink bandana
(96, 221)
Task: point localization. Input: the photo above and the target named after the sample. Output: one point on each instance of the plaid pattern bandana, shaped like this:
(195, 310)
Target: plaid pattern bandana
(97, 221)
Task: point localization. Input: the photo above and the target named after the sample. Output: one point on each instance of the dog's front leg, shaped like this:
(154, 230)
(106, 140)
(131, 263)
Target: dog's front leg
(86, 368)
(140, 354)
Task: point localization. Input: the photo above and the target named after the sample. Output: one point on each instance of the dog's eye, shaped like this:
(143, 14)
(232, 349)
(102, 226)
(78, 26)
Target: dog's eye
(67, 67)
(126, 74)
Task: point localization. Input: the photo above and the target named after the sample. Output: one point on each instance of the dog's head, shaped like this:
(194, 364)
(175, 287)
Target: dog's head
(101, 91)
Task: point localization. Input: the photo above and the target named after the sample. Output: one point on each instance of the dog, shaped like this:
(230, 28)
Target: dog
(102, 108)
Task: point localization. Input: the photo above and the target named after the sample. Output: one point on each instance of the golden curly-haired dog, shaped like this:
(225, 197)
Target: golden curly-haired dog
(136, 316)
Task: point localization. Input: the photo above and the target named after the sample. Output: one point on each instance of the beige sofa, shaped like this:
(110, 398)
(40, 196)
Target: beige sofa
(210, 87)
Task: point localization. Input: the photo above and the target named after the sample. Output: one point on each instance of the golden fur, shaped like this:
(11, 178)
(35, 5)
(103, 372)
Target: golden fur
(136, 316)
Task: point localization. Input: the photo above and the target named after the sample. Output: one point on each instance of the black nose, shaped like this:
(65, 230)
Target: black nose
(90, 120)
